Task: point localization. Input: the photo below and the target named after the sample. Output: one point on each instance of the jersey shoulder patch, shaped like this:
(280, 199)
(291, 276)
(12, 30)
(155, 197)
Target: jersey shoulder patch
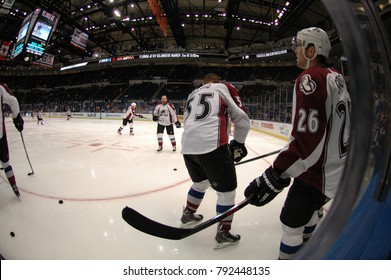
(307, 85)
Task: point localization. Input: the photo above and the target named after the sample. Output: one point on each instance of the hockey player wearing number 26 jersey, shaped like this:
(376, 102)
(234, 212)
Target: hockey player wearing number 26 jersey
(316, 151)
(208, 157)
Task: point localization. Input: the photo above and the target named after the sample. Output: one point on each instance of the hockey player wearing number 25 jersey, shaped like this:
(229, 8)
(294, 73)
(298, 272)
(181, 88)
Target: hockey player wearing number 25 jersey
(208, 157)
(317, 148)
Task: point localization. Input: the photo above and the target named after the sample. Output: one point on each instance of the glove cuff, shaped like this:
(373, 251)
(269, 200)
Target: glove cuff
(236, 143)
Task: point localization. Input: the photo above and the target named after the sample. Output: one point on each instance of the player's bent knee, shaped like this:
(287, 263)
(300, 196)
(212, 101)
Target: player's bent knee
(201, 186)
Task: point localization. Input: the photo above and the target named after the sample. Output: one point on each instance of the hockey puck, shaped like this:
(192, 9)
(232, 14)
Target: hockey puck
(174, 169)
(60, 201)
(12, 234)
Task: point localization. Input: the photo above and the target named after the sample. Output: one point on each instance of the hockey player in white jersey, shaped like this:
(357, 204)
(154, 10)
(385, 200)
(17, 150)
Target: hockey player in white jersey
(39, 117)
(208, 157)
(165, 115)
(69, 114)
(128, 118)
(317, 148)
(7, 98)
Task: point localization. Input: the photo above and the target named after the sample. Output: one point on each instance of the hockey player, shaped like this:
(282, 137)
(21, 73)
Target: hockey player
(208, 156)
(317, 148)
(7, 98)
(69, 114)
(40, 117)
(165, 115)
(128, 118)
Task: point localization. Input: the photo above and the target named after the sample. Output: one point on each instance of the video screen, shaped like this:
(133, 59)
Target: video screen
(18, 49)
(41, 30)
(23, 31)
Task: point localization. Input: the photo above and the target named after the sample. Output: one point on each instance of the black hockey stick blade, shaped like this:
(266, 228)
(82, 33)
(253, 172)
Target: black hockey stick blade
(148, 226)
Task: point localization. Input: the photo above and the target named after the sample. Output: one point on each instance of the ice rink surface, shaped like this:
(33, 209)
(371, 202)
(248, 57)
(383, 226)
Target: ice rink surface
(85, 174)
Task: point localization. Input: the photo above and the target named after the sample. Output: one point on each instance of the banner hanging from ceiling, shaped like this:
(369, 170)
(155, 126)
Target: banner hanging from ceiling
(159, 14)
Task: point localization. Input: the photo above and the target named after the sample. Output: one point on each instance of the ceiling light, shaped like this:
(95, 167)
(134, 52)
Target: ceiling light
(117, 13)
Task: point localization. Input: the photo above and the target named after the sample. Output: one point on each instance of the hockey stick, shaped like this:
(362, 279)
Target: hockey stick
(24, 146)
(146, 118)
(258, 157)
(148, 226)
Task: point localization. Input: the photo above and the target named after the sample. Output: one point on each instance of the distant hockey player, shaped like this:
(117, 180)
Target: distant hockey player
(39, 117)
(316, 152)
(7, 98)
(165, 115)
(69, 114)
(208, 157)
(128, 118)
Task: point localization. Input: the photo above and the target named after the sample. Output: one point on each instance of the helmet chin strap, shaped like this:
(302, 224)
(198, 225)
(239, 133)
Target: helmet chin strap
(308, 60)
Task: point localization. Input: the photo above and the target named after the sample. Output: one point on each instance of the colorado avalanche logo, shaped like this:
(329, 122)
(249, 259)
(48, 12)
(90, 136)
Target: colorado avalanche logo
(307, 85)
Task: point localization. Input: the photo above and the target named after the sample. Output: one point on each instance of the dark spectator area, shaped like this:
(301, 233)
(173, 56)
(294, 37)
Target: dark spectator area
(266, 91)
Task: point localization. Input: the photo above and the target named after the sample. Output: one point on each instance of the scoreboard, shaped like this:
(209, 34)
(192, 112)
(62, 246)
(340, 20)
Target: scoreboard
(35, 34)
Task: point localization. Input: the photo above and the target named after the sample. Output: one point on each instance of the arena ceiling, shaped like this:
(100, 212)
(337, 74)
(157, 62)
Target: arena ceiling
(117, 27)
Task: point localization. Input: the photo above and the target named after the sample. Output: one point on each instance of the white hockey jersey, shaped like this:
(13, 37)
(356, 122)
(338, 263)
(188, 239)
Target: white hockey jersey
(206, 119)
(129, 114)
(7, 98)
(166, 114)
(317, 148)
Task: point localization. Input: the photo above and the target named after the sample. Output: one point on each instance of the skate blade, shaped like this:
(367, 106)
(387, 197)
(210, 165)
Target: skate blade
(224, 245)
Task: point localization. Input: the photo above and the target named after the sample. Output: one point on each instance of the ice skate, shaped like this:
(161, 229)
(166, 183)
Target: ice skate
(190, 219)
(119, 132)
(131, 133)
(15, 189)
(174, 148)
(160, 148)
(224, 239)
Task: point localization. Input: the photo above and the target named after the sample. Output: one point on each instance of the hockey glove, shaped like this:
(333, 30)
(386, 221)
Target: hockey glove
(155, 118)
(18, 122)
(238, 150)
(141, 116)
(178, 124)
(265, 188)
